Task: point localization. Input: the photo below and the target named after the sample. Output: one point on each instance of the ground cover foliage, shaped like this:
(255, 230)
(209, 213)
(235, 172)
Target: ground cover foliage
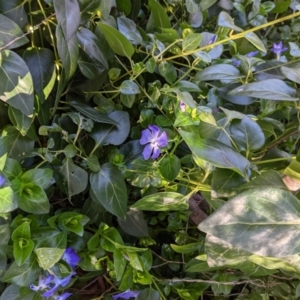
(149, 149)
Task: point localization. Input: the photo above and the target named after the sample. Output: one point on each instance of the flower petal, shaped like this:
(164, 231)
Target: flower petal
(162, 140)
(71, 257)
(147, 151)
(126, 295)
(156, 152)
(146, 137)
(63, 296)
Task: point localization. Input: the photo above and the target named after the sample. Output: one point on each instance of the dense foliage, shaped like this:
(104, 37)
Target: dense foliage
(149, 149)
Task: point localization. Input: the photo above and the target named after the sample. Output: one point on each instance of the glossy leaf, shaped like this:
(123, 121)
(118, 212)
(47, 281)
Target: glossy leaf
(191, 42)
(164, 201)
(129, 29)
(225, 20)
(110, 189)
(291, 74)
(68, 16)
(247, 134)
(92, 113)
(40, 62)
(124, 6)
(271, 89)
(40, 177)
(14, 10)
(129, 87)
(255, 41)
(218, 72)
(160, 17)
(48, 257)
(258, 219)
(216, 153)
(22, 250)
(68, 52)
(75, 178)
(16, 86)
(11, 35)
(117, 41)
(8, 202)
(169, 167)
(105, 134)
(19, 120)
(89, 43)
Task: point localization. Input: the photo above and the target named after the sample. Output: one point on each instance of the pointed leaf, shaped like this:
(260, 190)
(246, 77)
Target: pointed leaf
(76, 178)
(16, 85)
(225, 20)
(14, 10)
(270, 89)
(160, 17)
(11, 35)
(110, 189)
(218, 72)
(258, 219)
(8, 202)
(116, 40)
(255, 41)
(68, 16)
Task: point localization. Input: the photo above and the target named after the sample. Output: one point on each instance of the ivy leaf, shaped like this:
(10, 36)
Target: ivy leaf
(160, 17)
(16, 85)
(76, 179)
(40, 62)
(165, 201)
(270, 89)
(68, 16)
(258, 219)
(11, 35)
(117, 41)
(110, 189)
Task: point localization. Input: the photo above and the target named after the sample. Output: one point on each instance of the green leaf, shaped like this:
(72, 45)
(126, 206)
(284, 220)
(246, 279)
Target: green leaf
(165, 201)
(48, 237)
(247, 134)
(104, 134)
(16, 85)
(92, 113)
(149, 294)
(258, 219)
(11, 35)
(75, 178)
(134, 224)
(12, 169)
(40, 177)
(168, 71)
(17, 144)
(110, 189)
(191, 42)
(19, 120)
(40, 62)
(22, 250)
(218, 72)
(293, 170)
(225, 20)
(117, 41)
(169, 167)
(93, 163)
(281, 6)
(8, 202)
(23, 275)
(90, 44)
(129, 87)
(14, 10)
(255, 41)
(215, 152)
(119, 263)
(291, 74)
(188, 248)
(160, 17)
(68, 16)
(68, 51)
(21, 232)
(48, 257)
(270, 89)
(127, 100)
(124, 6)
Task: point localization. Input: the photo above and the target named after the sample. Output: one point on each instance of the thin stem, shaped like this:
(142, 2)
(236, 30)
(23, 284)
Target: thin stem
(159, 290)
(273, 160)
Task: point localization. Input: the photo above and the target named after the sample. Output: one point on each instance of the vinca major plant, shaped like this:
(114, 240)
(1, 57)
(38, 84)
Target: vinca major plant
(149, 149)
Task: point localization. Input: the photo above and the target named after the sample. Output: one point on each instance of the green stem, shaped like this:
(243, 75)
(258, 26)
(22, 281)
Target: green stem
(159, 290)
(273, 160)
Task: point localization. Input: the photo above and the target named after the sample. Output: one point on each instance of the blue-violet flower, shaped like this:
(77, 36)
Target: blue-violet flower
(44, 283)
(126, 295)
(63, 296)
(182, 106)
(278, 49)
(154, 141)
(2, 181)
(71, 257)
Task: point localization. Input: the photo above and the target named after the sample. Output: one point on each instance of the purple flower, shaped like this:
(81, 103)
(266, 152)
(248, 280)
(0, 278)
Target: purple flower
(56, 283)
(44, 283)
(63, 296)
(252, 53)
(126, 295)
(212, 39)
(182, 106)
(154, 140)
(278, 49)
(236, 62)
(2, 181)
(71, 257)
